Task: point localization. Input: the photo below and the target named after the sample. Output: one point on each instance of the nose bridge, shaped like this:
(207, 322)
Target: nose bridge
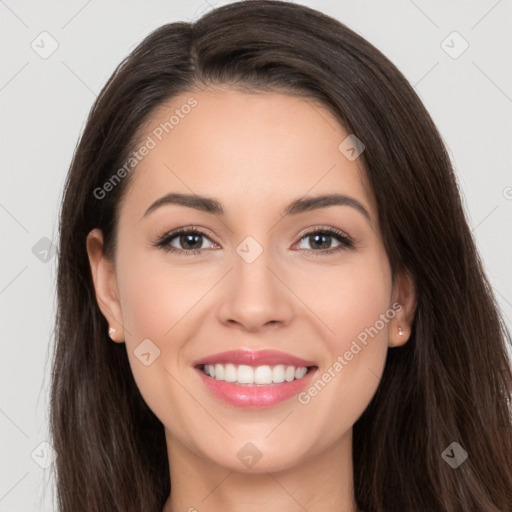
(256, 296)
(252, 263)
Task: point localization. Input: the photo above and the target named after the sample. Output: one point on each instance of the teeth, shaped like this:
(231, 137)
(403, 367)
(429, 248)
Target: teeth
(262, 375)
(230, 373)
(300, 372)
(219, 371)
(278, 374)
(259, 375)
(245, 374)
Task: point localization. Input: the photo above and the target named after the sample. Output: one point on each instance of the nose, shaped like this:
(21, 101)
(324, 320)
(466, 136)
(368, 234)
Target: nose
(256, 295)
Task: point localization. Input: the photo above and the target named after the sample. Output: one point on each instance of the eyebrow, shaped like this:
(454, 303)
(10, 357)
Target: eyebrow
(301, 205)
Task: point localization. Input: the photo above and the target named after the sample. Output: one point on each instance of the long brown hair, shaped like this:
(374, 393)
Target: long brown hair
(451, 382)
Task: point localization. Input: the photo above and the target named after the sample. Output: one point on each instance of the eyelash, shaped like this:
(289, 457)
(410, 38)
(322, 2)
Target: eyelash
(164, 242)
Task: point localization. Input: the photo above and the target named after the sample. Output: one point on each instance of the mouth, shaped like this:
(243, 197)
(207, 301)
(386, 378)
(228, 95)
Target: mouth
(264, 375)
(254, 379)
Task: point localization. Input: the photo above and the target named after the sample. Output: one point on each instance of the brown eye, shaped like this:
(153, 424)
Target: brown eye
(184, 241)
(189, 241)
(320, 241)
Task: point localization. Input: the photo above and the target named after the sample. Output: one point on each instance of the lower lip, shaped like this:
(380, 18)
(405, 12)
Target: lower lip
(255, 397)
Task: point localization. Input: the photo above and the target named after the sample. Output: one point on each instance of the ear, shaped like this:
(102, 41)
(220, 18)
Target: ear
(404, 294)
(105, 284)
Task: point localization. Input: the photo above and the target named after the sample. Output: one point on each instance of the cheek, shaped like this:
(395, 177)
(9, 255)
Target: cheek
(155, 295)
(354, 302)
(157, 303)
(348, 297)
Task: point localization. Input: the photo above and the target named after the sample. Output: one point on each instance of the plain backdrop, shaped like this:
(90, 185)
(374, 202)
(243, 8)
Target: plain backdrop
(56, 56)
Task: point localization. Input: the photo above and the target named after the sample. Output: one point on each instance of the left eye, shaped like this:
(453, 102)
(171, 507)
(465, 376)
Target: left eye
(325, 237)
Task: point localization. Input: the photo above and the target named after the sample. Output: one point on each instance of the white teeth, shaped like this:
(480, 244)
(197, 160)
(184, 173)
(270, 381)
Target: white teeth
(219, 372)
(245, 374)
(300, 372)
(263, 375)
(230, 373)
(289, 373)
(278, 374)
(259, 375)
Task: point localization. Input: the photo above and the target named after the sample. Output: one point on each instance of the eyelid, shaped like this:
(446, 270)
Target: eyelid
(163, 241)
(345, 240)
(324, 229)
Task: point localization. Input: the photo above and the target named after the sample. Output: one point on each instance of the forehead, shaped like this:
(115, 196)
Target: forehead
(251, 150)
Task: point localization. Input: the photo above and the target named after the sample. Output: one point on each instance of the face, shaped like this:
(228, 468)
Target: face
(249, 273)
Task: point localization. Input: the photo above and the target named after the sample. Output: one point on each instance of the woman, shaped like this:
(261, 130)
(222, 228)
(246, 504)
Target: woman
(268, 293)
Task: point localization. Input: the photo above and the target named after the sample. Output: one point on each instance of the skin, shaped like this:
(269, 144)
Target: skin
(254, 153)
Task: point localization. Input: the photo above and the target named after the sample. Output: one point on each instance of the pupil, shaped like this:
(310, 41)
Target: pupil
(185, 240)
(316, 237)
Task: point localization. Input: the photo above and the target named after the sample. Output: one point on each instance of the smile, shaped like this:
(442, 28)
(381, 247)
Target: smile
(246, 375)
(254, 379)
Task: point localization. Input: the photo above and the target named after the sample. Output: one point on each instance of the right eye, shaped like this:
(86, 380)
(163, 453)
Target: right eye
(190, 238)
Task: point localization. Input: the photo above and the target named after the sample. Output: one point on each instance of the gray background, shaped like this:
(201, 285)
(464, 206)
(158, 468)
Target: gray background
(44, 103)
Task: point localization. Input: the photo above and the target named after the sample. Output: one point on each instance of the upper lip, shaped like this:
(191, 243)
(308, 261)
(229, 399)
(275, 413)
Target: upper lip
(254, 358)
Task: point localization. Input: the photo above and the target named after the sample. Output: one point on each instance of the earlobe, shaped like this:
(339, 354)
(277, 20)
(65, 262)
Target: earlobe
(105, 284)
(404, 295)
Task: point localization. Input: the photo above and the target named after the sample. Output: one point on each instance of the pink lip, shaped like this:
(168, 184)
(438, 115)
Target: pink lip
(254, 358)
(252, 396)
